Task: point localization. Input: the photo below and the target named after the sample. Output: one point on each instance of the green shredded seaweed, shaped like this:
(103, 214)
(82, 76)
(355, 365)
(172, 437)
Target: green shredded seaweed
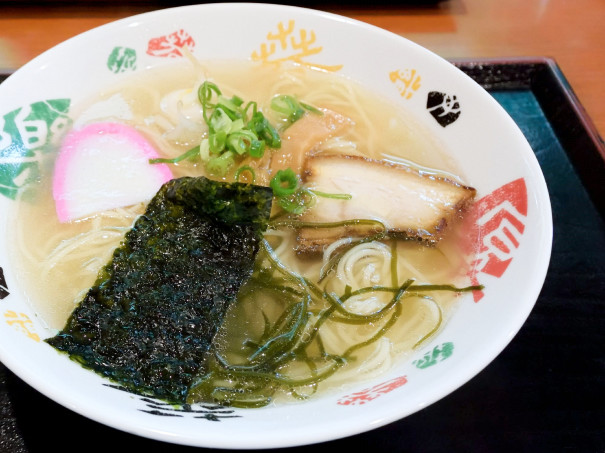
(292, 341)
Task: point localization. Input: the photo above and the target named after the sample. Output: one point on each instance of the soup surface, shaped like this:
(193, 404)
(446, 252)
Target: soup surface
(59, 263)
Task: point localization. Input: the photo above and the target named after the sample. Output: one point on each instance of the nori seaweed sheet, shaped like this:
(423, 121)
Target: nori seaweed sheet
(153, 312)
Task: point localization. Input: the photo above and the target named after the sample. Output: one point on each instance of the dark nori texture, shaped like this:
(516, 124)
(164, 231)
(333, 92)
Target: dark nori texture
(154, 310)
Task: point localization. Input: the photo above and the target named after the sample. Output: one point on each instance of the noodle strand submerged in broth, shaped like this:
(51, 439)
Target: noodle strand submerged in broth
(323, 315)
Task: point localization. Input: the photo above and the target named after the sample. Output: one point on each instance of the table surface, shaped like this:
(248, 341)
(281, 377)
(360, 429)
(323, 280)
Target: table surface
(541, 394)
(571, 32)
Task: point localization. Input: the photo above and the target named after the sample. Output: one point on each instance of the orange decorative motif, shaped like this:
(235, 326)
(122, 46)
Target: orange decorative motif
(291, 44)
(407, 82)
(21, 322)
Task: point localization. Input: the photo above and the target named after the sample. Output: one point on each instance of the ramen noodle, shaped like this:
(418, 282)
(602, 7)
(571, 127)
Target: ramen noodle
(345, 283)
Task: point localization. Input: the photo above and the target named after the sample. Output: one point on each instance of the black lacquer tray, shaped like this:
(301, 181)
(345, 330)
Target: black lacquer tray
(543, 393)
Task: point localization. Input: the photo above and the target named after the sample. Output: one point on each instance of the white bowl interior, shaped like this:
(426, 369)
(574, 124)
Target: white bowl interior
(488, 143)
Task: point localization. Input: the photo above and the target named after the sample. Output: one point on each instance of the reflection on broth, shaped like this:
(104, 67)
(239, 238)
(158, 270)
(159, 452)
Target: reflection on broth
(348, 276)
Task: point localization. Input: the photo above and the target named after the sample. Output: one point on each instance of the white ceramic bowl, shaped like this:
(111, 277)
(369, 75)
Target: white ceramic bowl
(512, 198)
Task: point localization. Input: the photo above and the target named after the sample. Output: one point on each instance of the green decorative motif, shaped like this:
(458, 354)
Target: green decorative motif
(438, 354)
(122, 59)
(26, 134)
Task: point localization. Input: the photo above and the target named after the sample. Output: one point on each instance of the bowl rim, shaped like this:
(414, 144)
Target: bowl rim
(23, 370)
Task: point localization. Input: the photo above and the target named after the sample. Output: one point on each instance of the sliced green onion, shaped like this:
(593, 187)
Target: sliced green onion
(298, 202)
(294, 199)
(230, 106)
(242, 169)
(288, 106)
(219, 165)
(264, 130)
(205, 94)
(291, 108)
(240, 141)
(257, 148)
(237, 100)
(336, 196)
(192, 153)
(205, 150)
(304, 198)
(284, 183)
(251, 105)
(217, 142)
(311, 109)
(237, 125)
(235, 129)
(220, 121)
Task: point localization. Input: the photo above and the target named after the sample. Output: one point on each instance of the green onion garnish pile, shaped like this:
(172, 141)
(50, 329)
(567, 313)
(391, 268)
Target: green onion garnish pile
(235, 130)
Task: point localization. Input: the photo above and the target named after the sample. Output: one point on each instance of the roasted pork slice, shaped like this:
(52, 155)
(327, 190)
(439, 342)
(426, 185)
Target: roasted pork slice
(411, 203)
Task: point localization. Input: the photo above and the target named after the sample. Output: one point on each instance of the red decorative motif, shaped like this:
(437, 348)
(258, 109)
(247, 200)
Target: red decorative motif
(170, 45)
(367, 395)
(496, 224)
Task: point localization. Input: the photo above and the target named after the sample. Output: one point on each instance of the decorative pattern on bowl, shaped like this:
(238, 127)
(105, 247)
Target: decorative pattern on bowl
(509, 224)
